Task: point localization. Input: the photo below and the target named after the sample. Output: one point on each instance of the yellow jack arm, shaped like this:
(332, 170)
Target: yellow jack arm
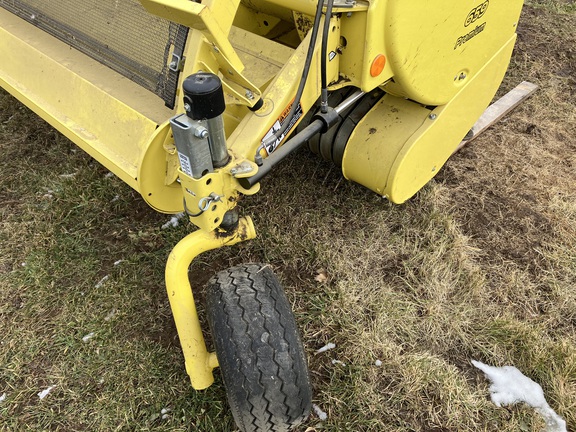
(199, 362)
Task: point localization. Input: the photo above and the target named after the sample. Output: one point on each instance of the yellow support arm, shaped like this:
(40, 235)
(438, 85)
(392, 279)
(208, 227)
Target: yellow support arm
(199, 362)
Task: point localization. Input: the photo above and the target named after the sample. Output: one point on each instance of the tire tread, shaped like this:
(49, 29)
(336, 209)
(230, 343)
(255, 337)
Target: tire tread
(260, 353)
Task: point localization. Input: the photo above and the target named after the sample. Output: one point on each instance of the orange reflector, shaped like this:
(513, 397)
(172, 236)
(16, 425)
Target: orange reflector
(378, 65)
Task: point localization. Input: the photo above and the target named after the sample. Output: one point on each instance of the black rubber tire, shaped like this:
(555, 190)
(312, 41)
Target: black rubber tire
(261, 356)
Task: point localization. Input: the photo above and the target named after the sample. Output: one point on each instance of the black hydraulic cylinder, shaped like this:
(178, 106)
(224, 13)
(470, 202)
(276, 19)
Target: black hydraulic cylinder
(291, 145)
(321, 122)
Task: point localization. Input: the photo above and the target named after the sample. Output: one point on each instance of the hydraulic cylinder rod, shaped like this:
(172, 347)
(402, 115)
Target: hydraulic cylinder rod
(320, 124)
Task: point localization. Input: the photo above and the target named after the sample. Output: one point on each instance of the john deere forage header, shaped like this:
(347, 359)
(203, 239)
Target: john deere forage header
(193, 103)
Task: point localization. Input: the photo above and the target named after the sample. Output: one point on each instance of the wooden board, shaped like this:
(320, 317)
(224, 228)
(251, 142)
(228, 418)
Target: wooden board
(500, 108)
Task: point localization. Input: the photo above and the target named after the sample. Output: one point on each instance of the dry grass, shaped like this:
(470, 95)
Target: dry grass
(481, 264)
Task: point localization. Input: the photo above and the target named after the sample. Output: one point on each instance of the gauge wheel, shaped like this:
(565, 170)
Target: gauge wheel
(259, 351)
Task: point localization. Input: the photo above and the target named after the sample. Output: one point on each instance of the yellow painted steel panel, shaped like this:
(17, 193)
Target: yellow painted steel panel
(40, 74)
(400, 145)
(378, 138)
(434, 47)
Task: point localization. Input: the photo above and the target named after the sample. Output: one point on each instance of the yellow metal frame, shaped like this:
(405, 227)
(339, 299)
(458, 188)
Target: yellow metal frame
(199, 362)
(109, 117)
(412, 132)
(125, 127)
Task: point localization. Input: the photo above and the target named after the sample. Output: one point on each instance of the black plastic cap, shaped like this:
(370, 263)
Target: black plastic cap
(203, 96)
(257, 105)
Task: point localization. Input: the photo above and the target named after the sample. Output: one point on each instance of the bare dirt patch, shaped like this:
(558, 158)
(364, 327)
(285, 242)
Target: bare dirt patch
(502, 185)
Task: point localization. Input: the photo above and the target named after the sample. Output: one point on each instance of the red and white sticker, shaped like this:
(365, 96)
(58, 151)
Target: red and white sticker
(278, 124)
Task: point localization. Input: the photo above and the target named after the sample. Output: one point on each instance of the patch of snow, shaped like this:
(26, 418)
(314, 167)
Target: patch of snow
(88, 337)
(510, 386)
(378, 363)
(44, 393)
(120, 261)
(116, 198)
(165, 410)
(321, 414)
(335, 362)
(101, 282)
(2, 397)
(173, 222)
(326, 347)
(23, 264)
(72, 175)
(109, 174)
(165, 416)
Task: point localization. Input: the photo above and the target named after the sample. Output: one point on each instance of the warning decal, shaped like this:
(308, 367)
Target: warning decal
(278, 124)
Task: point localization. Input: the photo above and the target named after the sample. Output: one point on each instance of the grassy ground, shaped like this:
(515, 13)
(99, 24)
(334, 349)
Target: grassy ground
(481, 264)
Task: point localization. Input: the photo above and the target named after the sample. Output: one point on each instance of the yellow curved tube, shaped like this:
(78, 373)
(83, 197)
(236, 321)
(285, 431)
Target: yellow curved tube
(199, 362)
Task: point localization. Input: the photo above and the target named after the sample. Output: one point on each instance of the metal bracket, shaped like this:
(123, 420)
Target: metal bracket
(176, 63)
(214, 23)
(343, 3)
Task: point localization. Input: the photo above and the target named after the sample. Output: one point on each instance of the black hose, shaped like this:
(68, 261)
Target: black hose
(303, 79)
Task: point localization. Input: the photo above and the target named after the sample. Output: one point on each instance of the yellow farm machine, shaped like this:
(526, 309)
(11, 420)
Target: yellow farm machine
(193, 102)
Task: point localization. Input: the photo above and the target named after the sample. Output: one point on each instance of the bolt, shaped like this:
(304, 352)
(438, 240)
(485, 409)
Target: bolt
(201, 132)
(187, 107)
(462, 76)
(173, 65)
(216, 50)
(432, 116)
(249, 94)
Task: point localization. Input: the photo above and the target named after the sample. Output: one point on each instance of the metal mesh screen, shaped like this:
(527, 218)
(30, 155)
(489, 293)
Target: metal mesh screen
(117, 33)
